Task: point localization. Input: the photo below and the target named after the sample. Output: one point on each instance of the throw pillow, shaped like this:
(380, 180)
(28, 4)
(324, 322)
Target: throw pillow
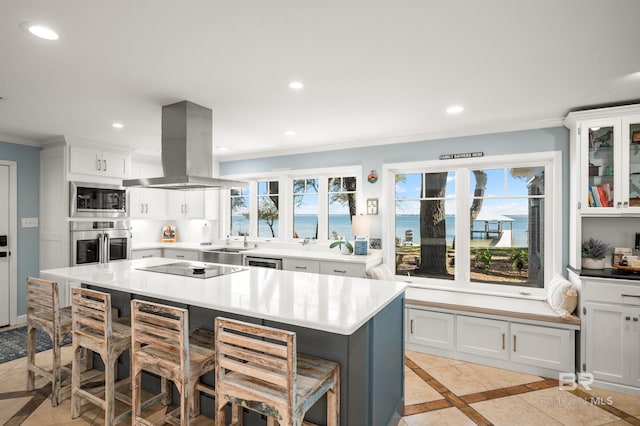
(562, 296)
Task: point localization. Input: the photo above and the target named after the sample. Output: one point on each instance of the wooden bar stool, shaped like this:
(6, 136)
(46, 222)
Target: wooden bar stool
(160, 345)
(94, 329)
(44, 313)
(257, 368)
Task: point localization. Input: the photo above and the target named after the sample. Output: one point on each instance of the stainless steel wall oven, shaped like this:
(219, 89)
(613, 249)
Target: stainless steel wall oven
(98, 200)
(94, 242)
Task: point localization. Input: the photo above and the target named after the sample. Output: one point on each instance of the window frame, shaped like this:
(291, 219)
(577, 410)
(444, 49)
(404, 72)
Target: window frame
(285, 180)
(552, 160)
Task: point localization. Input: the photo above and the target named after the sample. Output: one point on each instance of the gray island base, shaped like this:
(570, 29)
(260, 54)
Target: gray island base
(371, 357)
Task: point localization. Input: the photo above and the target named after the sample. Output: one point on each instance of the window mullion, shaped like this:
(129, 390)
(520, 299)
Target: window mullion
(323, 208)
(463, 231)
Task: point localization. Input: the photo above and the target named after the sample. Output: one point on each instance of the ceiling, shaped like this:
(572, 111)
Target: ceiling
(375, 71)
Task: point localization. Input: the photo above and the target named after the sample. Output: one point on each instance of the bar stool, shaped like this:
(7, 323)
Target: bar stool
(257, 368)
(160, 345)
(94, 329)
(44, 313)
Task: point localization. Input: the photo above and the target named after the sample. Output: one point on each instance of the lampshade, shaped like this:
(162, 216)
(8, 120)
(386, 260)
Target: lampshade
(360, 225)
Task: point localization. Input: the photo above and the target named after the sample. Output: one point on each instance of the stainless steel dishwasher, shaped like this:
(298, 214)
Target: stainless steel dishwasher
(265, 262)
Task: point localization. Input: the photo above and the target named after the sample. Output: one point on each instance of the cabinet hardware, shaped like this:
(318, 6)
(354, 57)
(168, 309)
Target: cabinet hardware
(635, 319)
(301, 267)
(579, 205)
(105, 165)
(630, 295)
(411, 326)
(186, 209)
(625, 204)
(145, 256)
(503, 337)
(514, 342)
(338, 271)
(180, 255)
(584, 311)
(98, 164)
(146, 208)
(584, 366)
(619, 204)
(627, 318)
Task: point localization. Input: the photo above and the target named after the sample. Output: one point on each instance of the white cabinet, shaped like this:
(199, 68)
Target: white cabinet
(506, 343)
(481, 336)
(606, 156)
(147, 203)
(185, 204)
(99, 163)
(146, 253)
(611, 329)
(542, 346)
(180, 254)
(433, 329)
(343, 268)
(300, 265)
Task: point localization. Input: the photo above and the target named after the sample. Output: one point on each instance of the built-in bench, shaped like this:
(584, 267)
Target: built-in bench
(519, 334)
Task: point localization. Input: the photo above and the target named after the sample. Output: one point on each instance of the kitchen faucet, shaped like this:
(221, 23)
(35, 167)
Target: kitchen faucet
(244, 234)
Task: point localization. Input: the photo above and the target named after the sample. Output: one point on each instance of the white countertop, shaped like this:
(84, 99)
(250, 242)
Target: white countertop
(301, 252)
(329, 303)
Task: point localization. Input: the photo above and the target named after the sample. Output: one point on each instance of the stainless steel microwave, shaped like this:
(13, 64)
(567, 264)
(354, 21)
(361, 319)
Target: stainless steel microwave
(98, 200)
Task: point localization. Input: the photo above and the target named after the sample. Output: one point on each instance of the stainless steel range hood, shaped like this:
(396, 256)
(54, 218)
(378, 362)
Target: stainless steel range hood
(186, 151)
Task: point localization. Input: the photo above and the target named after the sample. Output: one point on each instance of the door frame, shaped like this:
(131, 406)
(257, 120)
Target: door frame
(13, 239)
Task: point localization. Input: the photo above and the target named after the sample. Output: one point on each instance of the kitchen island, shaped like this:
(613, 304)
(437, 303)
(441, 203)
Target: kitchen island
(354, 321)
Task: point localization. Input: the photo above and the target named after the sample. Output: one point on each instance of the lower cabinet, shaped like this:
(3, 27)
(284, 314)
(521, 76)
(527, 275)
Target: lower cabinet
(507, 343)
(143, 254)
(300, 265)
(342, 268)
(180, 254)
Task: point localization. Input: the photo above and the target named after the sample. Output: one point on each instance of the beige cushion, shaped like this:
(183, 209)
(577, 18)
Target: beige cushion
(562, 296)
(380, 272)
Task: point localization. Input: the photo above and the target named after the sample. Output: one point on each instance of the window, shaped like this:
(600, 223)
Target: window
(342, 206)
(305, 208)
(480, 223)
(268, 209)
(239, 212)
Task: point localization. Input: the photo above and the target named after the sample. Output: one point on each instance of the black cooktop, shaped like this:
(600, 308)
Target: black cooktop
(193, 269)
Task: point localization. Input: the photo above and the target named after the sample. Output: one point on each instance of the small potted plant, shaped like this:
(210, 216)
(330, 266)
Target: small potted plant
(593, 253)
(345, 246)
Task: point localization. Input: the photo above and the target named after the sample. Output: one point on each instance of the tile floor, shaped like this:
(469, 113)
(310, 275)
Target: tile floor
(438, 391)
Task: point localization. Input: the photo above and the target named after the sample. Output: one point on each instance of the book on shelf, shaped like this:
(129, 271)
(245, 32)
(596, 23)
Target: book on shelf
(595, 196)
(600, 196)
(603, 197)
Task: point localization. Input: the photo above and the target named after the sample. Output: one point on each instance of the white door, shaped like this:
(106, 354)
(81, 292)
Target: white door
(605, 341)
(4, 246)
(433, 329)
(542, 346)
(484, 337)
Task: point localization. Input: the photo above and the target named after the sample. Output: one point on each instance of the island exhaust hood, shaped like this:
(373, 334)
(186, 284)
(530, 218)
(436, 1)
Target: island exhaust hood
(186, 151)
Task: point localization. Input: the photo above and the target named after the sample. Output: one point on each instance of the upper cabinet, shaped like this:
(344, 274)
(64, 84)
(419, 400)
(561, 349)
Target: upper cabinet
(606, 161)
(98, 163)
(147, 203)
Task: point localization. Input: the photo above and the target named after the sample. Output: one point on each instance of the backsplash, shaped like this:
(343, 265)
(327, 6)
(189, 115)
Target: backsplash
(188, 230)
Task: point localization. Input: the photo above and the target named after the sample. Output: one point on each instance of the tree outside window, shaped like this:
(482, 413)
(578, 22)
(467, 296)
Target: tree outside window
(268, 209)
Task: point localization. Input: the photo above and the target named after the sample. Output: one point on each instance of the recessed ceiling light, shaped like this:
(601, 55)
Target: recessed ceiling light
(117, 125)
(290, 133)
(594, 129)
(296, 85)
(456, 109)
(222, 148)
(40, 31)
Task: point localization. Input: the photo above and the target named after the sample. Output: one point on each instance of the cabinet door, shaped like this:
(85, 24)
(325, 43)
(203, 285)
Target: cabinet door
(600, 164)
(542, 346)
(633, 346)
(433, 329)
(176, 204)
(155, 203)
(136, 203)
(114, 165)
(630, 190)
(146, 253)
(485, 337)
(300, 265)
(342, 268)
(194, 204)
(84, 160)
(605, 341)
(180, 254)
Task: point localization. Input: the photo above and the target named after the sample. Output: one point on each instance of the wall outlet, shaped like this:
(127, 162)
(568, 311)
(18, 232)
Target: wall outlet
(29, 222)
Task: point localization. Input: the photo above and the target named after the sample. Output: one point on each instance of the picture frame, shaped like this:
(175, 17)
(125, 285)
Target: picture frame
(635, 137)
(372, 206)
(375, 243)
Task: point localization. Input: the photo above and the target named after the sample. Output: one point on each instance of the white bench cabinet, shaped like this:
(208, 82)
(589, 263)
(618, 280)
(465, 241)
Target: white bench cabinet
(545, 347)
(481, 336)
(432, 329)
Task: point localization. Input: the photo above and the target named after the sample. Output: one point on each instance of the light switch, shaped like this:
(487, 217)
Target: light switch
(29, 222)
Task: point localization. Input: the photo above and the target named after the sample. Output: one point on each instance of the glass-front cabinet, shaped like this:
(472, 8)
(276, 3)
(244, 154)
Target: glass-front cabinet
(609, 166)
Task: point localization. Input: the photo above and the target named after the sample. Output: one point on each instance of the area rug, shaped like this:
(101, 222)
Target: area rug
(13, 343)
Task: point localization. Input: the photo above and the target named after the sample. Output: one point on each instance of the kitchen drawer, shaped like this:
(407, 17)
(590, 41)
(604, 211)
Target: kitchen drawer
(143, 254)
(181, 254)
(343, 268)
(300, 265)
(611, 293)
